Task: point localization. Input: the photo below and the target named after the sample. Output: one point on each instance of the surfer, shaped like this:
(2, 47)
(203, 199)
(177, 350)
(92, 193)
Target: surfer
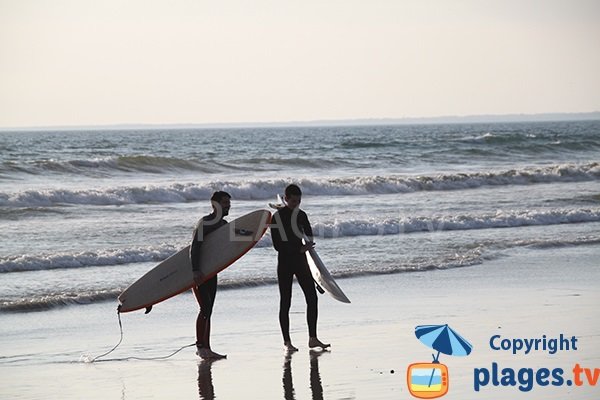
(205, 292)
(287, 227)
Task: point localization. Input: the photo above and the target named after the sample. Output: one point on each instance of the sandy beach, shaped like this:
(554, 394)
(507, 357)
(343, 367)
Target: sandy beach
(526, 295)
(448, 160)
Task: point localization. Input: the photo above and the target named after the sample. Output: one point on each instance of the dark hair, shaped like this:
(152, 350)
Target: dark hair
(219, 195)
(293, 190)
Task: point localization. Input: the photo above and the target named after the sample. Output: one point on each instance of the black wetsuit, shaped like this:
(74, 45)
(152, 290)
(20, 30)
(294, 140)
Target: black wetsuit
(286, 226)
(207, 290)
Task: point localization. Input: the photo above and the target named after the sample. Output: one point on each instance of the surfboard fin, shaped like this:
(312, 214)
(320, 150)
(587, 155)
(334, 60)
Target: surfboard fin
(280, 203)
(319, 288)
(148, 309)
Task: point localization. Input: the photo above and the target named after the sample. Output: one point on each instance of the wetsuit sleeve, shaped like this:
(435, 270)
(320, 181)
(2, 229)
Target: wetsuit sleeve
(195, 249)
(276, 235)
(306, 226)
(206, 225)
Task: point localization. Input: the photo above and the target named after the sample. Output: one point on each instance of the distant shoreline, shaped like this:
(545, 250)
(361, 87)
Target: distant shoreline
(468, 119)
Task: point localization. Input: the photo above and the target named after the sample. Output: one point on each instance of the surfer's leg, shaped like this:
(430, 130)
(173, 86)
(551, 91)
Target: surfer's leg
(205, 295)
(200, 320)
(307, 284)
(284, 279)
(310, 294)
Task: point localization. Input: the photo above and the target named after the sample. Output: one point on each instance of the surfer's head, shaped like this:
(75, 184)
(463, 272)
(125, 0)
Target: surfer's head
(293, 196)
(221, 203)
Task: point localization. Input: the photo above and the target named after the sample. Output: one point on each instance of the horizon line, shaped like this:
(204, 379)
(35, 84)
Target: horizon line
(447, 119)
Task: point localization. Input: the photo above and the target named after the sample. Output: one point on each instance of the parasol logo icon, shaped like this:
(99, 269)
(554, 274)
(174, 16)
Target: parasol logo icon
(429, 380)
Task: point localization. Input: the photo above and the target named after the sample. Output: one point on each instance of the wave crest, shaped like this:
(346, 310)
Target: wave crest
(335, 229)
(454, 222)
(85, 259)
(268, 189)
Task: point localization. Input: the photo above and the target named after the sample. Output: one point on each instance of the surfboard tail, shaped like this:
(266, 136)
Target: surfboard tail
(322, 277)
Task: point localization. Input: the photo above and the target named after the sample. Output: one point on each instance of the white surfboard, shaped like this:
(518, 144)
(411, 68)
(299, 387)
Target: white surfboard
(321, 275)
(220, 249)
(319, 272)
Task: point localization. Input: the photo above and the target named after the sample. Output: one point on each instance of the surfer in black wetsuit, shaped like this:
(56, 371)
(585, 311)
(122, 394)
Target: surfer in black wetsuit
(287, 226)
(205, 292)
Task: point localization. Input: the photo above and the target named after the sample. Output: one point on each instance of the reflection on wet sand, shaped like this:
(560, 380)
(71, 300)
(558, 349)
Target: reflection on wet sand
(206, 390)
(316, 387)
(315, 377)
(288, 384)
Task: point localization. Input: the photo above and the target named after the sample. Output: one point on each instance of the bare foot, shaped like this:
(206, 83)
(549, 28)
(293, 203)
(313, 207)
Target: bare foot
(208, 354)
(289, 347)
(314, 342)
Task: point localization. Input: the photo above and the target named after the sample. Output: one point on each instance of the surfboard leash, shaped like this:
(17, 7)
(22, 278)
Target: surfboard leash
(98, 358)
(117, 345)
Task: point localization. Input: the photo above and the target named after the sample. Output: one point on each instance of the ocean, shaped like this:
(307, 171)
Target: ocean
(85, 213)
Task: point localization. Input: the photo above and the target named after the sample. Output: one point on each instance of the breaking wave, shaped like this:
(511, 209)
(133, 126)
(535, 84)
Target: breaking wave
(455, 222)
(267, 189)
(468, 257)
(335, 229)
(85, 259)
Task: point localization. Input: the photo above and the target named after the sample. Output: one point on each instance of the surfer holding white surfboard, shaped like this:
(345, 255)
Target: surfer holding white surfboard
(288, 226)
(205, 291)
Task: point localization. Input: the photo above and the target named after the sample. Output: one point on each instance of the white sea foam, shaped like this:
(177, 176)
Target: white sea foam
(37, 303)
(476, 254)
(85, 259)
(503, 219)
(333, 229)
(267, 189)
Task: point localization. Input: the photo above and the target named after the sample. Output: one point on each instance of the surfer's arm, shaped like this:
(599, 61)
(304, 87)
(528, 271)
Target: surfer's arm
(306, 228)
(202, 230)
(195, 250)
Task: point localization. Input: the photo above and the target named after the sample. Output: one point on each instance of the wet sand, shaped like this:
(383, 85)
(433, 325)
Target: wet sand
(526, 295)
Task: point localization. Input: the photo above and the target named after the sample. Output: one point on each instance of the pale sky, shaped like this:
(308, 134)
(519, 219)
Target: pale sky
(91, 62)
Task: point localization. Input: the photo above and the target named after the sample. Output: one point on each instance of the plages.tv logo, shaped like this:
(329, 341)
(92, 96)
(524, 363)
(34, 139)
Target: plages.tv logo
(428, 380)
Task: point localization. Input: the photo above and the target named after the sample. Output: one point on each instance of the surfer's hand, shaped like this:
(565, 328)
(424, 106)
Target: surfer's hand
(198, 278)
(307, 246)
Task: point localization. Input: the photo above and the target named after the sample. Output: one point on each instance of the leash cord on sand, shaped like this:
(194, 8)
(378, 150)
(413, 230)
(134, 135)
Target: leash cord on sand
(98, 358)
